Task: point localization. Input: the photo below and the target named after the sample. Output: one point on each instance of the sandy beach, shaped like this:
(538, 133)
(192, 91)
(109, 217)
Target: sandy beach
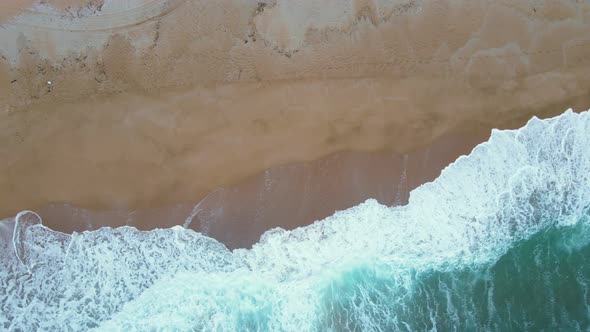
(294, 165)
(134, 112)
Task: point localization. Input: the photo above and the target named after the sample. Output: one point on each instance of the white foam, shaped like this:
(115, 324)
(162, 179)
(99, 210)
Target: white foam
(517, 183)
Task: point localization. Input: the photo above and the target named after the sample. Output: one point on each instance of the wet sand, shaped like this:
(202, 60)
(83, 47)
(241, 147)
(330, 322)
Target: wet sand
(286, 196)
(155, 105)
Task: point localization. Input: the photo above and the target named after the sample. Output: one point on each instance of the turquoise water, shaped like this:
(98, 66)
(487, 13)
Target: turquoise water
(499, 242)
(541, 284)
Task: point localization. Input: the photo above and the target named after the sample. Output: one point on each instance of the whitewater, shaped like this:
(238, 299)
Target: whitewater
(499, 241)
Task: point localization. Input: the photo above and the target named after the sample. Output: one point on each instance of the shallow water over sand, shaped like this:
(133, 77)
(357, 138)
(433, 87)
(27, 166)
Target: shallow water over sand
(286, 196)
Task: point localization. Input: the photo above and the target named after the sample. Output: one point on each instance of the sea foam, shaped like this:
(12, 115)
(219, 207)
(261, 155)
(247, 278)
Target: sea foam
(431, 264)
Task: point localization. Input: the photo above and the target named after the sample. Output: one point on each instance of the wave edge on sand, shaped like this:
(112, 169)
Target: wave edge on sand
(415, 266)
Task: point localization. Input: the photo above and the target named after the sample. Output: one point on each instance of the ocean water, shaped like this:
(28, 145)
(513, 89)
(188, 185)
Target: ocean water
(499, 242)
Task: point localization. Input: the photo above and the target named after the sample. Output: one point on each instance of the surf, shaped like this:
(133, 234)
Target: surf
(466, 252)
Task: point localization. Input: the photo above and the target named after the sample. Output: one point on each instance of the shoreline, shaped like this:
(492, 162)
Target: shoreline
(288, 196)
(145, 116)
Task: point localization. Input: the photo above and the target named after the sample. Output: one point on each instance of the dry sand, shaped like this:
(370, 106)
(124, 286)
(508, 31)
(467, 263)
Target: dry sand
(157, 103)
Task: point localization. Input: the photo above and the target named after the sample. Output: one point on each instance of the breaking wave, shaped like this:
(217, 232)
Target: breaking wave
(500, 241)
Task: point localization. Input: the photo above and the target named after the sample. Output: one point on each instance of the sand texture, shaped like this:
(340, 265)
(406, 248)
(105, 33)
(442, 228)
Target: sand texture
(152, 103)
